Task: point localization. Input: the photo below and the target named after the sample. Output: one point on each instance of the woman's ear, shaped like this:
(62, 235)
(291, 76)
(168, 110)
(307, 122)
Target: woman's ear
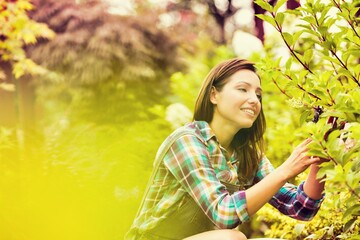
(213, 95)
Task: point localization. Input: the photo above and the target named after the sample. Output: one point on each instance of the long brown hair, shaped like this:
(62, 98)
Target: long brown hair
(247, 142)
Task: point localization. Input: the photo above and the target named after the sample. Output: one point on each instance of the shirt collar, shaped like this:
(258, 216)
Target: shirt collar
(207, 133)
(205, 130)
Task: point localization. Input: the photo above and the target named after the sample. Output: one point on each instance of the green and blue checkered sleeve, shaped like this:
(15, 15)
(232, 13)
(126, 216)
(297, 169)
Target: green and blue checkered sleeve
(290, 200)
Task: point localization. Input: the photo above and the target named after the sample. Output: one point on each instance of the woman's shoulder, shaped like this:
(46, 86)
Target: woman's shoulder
(191, 128)
(196, 129)
(185, 135)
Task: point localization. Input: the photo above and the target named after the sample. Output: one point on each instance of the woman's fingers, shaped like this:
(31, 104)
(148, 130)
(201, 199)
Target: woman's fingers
(313, 160)
(299, 160)
(305, 142)
(302, 147)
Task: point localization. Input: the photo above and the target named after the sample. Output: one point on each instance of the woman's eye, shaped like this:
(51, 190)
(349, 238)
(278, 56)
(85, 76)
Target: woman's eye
(259, 96)
(242, 89)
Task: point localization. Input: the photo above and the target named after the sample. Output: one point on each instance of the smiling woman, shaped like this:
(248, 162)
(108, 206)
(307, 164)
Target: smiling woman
(238, 102)
(212, 174)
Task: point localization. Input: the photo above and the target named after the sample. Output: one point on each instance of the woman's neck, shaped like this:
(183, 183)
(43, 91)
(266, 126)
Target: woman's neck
(224, 133)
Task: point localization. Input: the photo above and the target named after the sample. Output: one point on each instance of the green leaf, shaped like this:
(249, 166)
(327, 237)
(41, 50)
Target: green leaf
(29, 38)
(334, 136)
(350, 154)
(309, 19)
(299, 228)
(296, 35)
(307, 28)
(304, 117)
(323, 15)
(264, 5)
(329, 22)
(354, 11)
(352, 179)
(19, 69)
(334, 113)
(24, 5)
(335, 150)
(288, 38)
(279, 18)
(267, 18)
(279, 4)
(326, 168)
(289, 63)
(349, 224)
(308, 55)
(317, 153)
(352, 211)
(318, 93)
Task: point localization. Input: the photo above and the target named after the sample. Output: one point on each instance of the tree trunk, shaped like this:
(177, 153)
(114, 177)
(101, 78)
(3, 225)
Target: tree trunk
(259, 27)
(8, 116)
(292, 4)
(28, 127)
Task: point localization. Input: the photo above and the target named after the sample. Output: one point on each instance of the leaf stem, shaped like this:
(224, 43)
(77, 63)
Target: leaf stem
(344, 66)
(303, 89)
(281, 90)
(352, 190)
(331, 98)
(279, 28)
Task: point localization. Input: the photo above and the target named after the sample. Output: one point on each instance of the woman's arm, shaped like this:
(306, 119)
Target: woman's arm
(188, 161)
(313, 187)
(259, 194)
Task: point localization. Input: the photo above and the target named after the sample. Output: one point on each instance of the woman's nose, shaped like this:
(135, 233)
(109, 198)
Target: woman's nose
(253, 99)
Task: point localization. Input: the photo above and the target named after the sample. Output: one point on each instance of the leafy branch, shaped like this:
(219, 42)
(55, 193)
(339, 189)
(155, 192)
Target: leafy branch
(350, 21)
(281, 90)
(276, 21)
(332, 159)
(323, 39)
(334, 73)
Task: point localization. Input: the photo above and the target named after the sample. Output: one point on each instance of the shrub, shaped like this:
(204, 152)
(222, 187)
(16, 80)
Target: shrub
(322, 75)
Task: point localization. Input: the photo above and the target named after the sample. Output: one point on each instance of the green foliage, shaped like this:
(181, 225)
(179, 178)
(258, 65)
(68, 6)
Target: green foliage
(102, 150)
(327, 224)
(116, 65)
(280, 119)
(105, 104)
(323, 72)
(89, 180)
(107, 47)
(17, 30)
(5, 139)
(103, 119)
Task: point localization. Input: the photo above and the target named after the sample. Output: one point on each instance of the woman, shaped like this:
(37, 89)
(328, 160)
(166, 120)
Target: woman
(212, 174)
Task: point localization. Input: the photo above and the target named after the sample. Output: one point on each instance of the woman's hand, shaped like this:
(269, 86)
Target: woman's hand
(298, 161)
(261, 192)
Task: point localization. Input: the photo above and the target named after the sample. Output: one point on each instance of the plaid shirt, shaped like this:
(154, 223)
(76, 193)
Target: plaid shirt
(195, 165)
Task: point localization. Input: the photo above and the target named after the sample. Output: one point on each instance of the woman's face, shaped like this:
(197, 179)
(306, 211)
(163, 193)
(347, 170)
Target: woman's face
(238, 102)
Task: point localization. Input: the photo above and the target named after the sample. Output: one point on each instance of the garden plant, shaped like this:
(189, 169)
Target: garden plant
(321, 80)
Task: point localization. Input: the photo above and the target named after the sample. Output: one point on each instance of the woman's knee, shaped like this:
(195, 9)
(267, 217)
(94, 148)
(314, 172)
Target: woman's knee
(233, 235)
(225, 234)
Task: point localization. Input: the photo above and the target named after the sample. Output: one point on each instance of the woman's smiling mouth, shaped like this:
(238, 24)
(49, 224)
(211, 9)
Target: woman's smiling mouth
(249, 111)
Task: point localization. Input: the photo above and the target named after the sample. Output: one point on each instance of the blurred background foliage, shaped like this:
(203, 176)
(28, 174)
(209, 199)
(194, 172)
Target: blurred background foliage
(90, 89)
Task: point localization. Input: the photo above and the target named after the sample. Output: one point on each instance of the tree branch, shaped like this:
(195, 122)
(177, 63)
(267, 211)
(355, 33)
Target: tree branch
(281, 90)
(279, 28)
